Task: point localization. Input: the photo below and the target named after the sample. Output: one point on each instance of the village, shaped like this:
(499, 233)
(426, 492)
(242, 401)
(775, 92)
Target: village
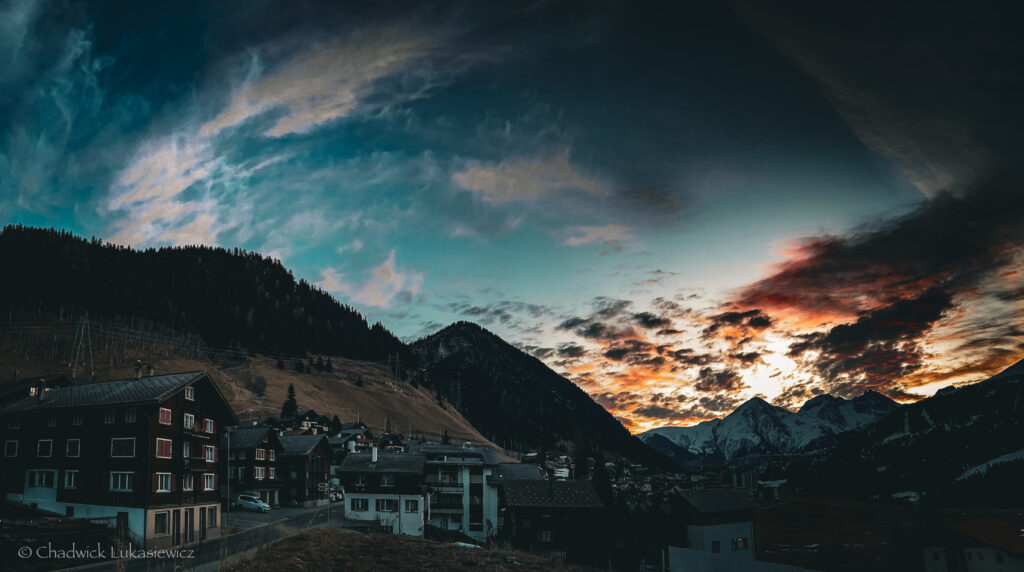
(163, 462)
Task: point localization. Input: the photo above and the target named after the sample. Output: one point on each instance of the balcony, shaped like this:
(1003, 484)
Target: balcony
(444, 484)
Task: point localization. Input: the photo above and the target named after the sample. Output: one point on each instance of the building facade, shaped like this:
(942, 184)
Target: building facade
(143, 452)
(255, 454)
(386, 489)
(305, 464)
(463, 484)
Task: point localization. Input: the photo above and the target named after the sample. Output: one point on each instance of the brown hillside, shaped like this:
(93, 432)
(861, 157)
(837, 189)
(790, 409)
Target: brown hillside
(413, 411)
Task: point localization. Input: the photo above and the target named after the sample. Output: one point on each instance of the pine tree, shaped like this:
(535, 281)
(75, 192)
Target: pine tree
(290, 407)
(335, 425)
(445, 438)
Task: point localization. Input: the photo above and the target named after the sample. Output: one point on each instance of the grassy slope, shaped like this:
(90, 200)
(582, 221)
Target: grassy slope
(328, 393)
(331, 549)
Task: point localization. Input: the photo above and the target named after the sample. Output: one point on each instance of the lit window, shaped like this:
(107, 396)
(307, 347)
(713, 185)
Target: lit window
(739, 543)
(121, 482)
(190, 421)
(129, 415)
(190, 393)
(44, 448)
(163, 448)
(70, 479)
(73, 448)
(10, 448)
(165, 416)
(122, 447)
(108, 416)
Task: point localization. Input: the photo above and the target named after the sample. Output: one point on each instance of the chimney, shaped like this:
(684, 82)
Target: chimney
(41, 393)
(138, 369)
(373, 454)
(352, 446)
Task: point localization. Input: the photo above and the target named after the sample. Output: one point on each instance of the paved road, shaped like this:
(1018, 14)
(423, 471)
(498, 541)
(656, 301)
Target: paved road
(241, 520)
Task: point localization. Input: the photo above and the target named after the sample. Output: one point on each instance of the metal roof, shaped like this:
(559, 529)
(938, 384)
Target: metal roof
(151, 389)
(471, 454)
(386, 463)
(551, 494)
(300, 444)
(248, 437)
(519, 472)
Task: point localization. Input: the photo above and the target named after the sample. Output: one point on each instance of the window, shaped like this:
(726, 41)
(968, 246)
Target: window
(108, 416)
(360, 505)
(71, 479)
(189, 421)
(271, 455)
(190, 393)
(211, 453)
(186, 450)
(545, 536)
(10, 448)
(271, 473)
(129, 415)
(44, 448)
(76, 419)
(716, 546)
(163, 482)
(187, 482)
(209, 426)
(14, 423)
(122, 447)
(387, 480)
(260, 473)
(261, 454)
(73, 447)
(211, 517)
(160, 523)
(412, 506)
(209, 481)
(386, 505)
(43, 479)
(51, 421)
(163, 448)
(165, 416)
(981, 555)
(739, 543)
(121, 482)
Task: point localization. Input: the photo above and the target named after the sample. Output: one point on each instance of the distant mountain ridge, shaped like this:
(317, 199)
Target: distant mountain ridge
(758, 428)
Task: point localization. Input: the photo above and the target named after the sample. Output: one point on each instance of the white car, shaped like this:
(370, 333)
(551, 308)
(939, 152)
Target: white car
(246, 502)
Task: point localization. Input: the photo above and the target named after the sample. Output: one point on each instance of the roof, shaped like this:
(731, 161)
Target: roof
(151, 389)
(248, 437)
(478, 453)
(300, 444)
(551, 494)
(716, 501)
(994, 532)
(386, 463)
(519, 472)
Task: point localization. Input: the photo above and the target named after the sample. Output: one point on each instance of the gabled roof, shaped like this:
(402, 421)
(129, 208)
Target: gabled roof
(718, 501)
(519, 472)
(551, 494)
(386, 463)
(248, 437)
(469, 455)
(994, 532)
(151, 389)
(300, 444)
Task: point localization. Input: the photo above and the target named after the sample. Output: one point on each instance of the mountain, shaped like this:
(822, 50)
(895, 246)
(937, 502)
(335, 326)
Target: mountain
(228, 298)
(517, 401)
(961, 445)
(758, 428)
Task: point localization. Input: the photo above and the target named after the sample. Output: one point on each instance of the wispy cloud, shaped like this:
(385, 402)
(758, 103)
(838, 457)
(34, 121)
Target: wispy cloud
(610, 235)
(530, 179)
(385, 282)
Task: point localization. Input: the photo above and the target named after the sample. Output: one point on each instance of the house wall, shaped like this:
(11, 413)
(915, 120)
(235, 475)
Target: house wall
(155, 541)
(452, 520)
(400, 522)
(700, 537)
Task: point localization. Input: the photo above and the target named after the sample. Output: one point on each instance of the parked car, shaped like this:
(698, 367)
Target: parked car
(247, 502)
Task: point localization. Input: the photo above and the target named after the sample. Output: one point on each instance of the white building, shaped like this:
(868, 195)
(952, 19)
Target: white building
(385, 488)
(464, 483)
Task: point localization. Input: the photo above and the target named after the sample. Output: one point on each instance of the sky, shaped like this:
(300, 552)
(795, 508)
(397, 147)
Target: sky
(678, 206)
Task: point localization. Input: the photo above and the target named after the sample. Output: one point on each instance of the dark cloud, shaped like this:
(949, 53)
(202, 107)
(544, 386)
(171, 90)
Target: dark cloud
(736, 325)
(711, 381)
(507, 312)
(688, 357)
(571, 350)
(651, 320)
(605, 307)
(746, 358)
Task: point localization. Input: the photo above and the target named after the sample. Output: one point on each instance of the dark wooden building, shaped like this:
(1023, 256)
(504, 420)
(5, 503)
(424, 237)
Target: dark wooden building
(21, 387)
(256, 456)
(564, 519)
(142, 452)
(306, 463)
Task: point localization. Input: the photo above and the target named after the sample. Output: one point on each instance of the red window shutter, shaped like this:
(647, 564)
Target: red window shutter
(216, 452)
(215, 481)
(156, 482)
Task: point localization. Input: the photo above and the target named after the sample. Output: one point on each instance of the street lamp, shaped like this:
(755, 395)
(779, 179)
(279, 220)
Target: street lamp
(227, 432)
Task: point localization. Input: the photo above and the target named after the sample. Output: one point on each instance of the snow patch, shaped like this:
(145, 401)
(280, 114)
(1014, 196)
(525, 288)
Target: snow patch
(984, 467)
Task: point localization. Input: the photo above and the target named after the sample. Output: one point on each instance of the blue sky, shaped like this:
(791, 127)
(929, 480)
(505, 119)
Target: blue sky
(523, 166)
